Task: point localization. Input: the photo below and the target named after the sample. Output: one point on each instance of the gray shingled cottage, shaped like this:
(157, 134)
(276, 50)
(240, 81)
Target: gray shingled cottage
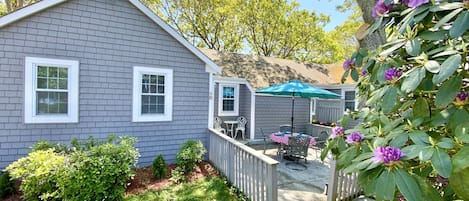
(92, 67)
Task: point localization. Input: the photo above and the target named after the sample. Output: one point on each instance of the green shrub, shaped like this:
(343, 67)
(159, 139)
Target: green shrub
(102, 171)
(190, 153)
(159, 167)
(38, 173)
(45, 145)
(6, 185)
(94, 171)
(177, 175)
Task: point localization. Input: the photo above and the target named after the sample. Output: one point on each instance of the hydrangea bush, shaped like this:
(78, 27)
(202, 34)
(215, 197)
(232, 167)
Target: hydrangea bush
(412, 142)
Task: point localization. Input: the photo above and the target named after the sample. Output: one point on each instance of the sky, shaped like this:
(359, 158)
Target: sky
(328, 8)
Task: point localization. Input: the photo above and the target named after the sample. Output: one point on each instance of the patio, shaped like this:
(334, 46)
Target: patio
(294, 184)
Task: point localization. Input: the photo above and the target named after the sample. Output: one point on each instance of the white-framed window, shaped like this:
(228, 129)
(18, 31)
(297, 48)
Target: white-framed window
(228, 100)
(51, 90)
(350, 102)
(152, 94)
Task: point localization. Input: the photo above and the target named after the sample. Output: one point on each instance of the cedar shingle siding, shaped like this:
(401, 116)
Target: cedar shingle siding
(108, 38)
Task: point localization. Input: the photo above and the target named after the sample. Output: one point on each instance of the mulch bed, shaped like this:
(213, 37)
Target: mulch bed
(143, 180)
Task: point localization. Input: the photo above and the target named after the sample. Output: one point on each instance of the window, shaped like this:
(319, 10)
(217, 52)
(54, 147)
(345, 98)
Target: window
(228, 100)
(350, 100)
(51, 90)
(152, 94)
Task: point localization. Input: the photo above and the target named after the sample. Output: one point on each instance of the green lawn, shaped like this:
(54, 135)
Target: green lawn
(205, 189)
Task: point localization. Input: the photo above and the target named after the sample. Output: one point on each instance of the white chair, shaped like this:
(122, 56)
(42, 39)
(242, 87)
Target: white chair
(241, 126)
(217, 125)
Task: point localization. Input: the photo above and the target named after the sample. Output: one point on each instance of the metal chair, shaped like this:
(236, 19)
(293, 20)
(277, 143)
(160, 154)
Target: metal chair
(286, 128)
(242, 121)
(264, 137)
(217, 125)
(298, 147)
(321, 141)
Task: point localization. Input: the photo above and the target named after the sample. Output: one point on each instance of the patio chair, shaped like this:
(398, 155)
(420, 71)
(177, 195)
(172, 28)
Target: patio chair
(286, 128)
(321, 142)
(298, 147)
(264, 137)
(242, 121)
(217, 125)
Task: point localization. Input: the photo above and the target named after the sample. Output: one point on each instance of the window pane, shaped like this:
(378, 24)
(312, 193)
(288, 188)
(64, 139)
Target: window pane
(52, 84)
(53, 72)
(160, 109)
(228, 92)
(145, 109)
(51, 102)
(63, 73)
(153, 79)
(350, 95)
(337, 91)
(42, 71)
(42, 83)
(160, 79)
(160, 100)
(350, 105)
(228, 105)
(152, 109)
(153, 88)
(152, 100)
(62, 83)
(161, 89)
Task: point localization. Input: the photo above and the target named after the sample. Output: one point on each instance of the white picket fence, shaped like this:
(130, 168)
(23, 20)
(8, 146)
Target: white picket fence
(342, 186)
(253, 173)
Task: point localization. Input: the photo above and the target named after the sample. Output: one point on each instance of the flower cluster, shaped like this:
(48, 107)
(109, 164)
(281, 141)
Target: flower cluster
(337, 131)
(348, 63)
(387, 155)
(392, 74)
(354, 137)
(461, 98)
(381, 8)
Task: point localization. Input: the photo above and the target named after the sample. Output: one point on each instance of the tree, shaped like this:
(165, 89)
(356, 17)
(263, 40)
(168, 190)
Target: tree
(3, 9)
(414, 139)
(213, 24)
(13, 5)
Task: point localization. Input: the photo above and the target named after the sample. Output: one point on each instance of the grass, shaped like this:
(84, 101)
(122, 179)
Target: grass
(209, 188)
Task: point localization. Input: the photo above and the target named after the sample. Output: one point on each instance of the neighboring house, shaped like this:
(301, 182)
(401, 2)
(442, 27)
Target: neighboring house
(70, 69)
(246, 73)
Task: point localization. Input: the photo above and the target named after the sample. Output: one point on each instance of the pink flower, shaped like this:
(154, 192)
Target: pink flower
(392, 73)
(381, 8)
(348, 63)
(337, 131)
(354, 137)
(414, 3)
(387, 155)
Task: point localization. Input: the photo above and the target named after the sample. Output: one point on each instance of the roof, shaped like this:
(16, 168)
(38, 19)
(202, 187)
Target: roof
(336, 71)
(45, 4)
(263, 71)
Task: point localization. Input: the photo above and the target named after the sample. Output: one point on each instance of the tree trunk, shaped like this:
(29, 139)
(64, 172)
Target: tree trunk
(375, 39)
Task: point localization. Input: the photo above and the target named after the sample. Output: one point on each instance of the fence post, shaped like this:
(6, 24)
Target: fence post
(333, 182)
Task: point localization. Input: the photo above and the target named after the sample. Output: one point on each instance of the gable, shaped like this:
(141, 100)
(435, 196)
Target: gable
(46, 4)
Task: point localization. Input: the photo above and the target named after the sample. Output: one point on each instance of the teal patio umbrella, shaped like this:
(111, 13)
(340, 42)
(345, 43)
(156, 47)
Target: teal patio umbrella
(296, 88)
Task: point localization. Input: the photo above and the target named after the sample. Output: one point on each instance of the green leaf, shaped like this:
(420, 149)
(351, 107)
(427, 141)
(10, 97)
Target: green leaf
(462, 132)
(429, 193)
(421, 108)
(412, 151)
(460, 25)
(385, 186)
(392, 48)
(458, 179)
(354, 74)
(448, 91)
(446, 143)
(447, 17)
(400, 140)
(434, 35)
(419, 137)
(389, 100)
(460, 161)
(432, 66)
(448, 67)
(446, 6)
(346, 157)
(345, 75)
(441, 161)
(412, 47)
(458, 117)
(413, 79)
(377, 95)
(440, 118)
(426, 153)
(408, 186)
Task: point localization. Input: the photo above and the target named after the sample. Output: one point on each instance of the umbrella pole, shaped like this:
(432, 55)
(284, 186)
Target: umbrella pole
(292, 110)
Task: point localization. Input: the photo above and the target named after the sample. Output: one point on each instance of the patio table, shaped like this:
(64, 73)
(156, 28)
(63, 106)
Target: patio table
(282, 138)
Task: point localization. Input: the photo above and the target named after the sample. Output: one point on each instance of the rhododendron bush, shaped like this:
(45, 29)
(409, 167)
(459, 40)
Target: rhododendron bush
(412, 142)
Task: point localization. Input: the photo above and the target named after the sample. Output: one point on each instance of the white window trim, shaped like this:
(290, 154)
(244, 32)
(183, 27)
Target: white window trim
(137, 95)
(354, 100)
(30, 116)
(220, 100)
